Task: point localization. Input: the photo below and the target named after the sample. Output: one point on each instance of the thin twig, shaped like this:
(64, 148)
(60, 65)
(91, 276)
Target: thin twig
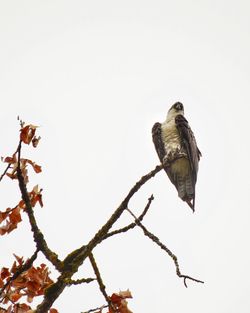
(6, 170)
(166, 249)
(96, 309)
(9, 165)
(37, 234)
(132, 225)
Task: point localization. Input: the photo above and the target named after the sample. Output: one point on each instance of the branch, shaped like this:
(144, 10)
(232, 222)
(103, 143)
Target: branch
(132, 225)
(167, 250)
(9, 165)
(96, 309)
(6, 170)
(98, 277)
(37, 234)
(79, 281)
(54, 291)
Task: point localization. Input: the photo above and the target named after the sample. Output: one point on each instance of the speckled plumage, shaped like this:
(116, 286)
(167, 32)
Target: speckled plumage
(177, 150)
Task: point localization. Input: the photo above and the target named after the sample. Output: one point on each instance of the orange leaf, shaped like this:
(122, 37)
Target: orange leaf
(2, 231)
(1, 284)
(37, 168)
(12, 176)
(3, 216)
(5, 272)
(33, 286)
(15, 216)
(10, 160)
(53, 311)
(15, 297)
(27, 133)
(115, 298)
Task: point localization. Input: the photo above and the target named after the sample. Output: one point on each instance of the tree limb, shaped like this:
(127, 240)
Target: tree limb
(99, 278)
(37, 234)
(53, 292)
(132, 225)
(166, 249)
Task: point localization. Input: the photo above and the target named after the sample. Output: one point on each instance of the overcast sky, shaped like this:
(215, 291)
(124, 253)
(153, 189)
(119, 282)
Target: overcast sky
(95, 76)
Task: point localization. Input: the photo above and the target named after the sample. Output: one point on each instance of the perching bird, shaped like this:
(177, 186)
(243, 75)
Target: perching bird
(177, 150)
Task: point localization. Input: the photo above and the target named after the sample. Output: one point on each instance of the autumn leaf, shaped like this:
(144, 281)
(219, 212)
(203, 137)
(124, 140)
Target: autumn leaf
(14, 297)
(3, 216)
(37, 168)
(10, 160)
(27, 133)
(35, 141)
(36, 196)
(15, 216)
(12, 217)
(30, 283)
(119, 302)
(4, 273)
(1, 283)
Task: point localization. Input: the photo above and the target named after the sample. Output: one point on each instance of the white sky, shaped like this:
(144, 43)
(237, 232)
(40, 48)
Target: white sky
(96, 75)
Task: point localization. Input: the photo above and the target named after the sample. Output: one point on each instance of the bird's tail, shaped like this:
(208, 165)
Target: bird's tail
(186, 190)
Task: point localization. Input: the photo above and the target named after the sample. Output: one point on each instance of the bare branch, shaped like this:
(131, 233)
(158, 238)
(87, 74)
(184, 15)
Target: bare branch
(166, 249)
(6, 170)
(9, 165)
(132, 225)
(79, 281)
(37, 234)
(98, 277)
(96, 309)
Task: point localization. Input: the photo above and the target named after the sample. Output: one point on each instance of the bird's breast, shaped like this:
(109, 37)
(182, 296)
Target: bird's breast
(170, 137)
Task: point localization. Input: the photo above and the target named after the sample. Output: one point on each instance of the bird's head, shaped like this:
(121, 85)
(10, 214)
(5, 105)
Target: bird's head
(175, 109)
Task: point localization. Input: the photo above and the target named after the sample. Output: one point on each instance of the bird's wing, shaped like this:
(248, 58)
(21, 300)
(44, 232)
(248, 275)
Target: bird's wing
(189, 143)
(157, 139)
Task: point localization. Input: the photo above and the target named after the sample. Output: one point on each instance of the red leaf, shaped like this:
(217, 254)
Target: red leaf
(3, 216)
(15, 216)
(2, 231)
(1, 284)
(5, 272)
(10, 160)
(37, 168)
(27, 133)
(15, 297)
(53, 311)
(115, 298)
(19, 259)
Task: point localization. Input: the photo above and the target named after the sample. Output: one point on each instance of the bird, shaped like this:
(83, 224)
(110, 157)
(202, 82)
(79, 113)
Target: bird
(177, 150)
